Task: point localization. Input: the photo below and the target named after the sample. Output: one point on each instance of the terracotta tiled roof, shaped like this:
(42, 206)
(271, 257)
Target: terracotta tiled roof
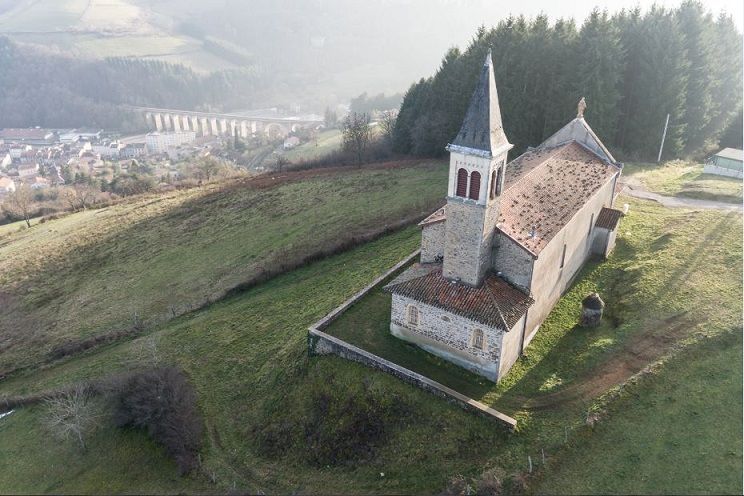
(437, 216)
(608, 218)
(544, 190)
(495, 303)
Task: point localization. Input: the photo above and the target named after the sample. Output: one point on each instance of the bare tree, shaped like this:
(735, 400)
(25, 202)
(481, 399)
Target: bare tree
(387, 125)
(19, 203)
(79, 195)
(72, 415)
(356, 134)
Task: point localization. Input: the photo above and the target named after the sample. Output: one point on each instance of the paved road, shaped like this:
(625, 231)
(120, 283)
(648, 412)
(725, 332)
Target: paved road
(635, 189)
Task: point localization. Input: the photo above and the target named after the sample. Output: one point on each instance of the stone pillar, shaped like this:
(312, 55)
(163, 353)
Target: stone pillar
(215, 127)
(195, 126)
(591, 310)
(244, 132)
(158, 122)
(206, 131)
(224, 128)
(176, 122)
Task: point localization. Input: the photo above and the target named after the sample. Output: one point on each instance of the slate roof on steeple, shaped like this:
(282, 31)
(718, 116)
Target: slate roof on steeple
(482, 129)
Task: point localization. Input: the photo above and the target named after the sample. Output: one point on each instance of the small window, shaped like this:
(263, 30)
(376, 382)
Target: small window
(445, 318)
(413, 315)
(591, 224)
(462, 183)
(475, 178)
(563, 256)
(479, 340)
(493, 185)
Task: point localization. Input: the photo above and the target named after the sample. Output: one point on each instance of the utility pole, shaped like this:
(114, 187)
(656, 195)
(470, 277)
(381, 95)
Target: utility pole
(663, 137)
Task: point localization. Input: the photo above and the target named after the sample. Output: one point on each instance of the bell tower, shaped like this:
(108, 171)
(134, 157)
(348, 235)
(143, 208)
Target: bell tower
(476, 178)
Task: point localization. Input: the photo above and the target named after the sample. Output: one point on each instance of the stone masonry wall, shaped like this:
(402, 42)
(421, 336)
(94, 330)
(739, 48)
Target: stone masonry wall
(464, 241)
(514, 263)
(320, 343)
(448, 335)
(432, 242)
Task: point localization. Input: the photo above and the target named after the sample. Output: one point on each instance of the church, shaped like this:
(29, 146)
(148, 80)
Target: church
(509, 241)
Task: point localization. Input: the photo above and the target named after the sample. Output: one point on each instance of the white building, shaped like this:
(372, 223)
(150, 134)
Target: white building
(160, 142)
(728, 162)
(7, 185)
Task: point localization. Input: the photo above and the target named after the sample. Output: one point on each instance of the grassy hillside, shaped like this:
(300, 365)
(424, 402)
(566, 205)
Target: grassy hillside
(677, 433)
(678, 178)
(278, 421)
(159, 256)
(104, 28)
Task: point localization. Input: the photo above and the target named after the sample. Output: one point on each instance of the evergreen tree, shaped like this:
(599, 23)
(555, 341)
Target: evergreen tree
(599, 69)
(697, 27)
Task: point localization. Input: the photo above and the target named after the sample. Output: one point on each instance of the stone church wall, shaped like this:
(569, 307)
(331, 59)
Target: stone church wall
(448, 335)
(432, 242)
(549, 280)
(514, 263)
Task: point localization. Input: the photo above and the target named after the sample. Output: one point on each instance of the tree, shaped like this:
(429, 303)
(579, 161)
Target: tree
(19, 203)
(356, 134)
(209, 167)
(81, 194)
(72, 415)
(330, 119)
(387, 126)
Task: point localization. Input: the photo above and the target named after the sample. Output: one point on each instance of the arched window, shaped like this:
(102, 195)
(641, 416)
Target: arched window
(412, 316)
(493, 185)
(462, 183)
(497, 184)
(474, 185)
(479, 340)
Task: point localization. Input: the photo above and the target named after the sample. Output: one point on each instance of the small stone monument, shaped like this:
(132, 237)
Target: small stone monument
(591, 310)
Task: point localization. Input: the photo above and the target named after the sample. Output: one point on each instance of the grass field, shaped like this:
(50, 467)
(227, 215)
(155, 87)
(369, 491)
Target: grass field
(325, 143)
(103, 28)
(674, 278)
(686, 179)
(677, 433)
(161, 255)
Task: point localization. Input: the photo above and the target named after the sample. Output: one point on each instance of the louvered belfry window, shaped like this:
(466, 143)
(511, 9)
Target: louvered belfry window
(475, 178)
(462, 183)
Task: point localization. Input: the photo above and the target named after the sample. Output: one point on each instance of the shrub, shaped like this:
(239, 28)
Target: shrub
(163, 402)
(456, 486)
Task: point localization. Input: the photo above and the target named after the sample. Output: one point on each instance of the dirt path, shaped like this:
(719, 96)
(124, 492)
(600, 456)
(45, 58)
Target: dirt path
(633, 187)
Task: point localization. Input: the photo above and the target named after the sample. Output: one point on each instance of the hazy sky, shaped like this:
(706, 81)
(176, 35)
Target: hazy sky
(579, 9)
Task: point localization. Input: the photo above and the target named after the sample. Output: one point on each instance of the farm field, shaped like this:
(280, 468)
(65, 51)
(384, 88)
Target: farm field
(159, 256)
(325, 143)
(261, 396)
(103, 28)
(685, 179)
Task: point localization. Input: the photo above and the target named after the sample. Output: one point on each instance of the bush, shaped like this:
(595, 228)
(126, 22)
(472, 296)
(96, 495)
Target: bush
(163, 402)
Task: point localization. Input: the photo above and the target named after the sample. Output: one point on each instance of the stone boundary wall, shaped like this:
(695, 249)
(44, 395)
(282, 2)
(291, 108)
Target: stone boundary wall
(320, 343)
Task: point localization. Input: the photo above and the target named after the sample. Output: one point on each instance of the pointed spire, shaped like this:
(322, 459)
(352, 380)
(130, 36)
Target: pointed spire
(482, 129)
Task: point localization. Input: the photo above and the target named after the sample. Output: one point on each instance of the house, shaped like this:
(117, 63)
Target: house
(727, 162)
(509, 241)
(291, 142)
(7, 185)
(38, 182)
(28, 170)
(161, 142)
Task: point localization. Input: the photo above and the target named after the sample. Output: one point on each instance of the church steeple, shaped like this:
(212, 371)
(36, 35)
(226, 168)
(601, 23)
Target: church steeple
(477, 170)
(482, 129)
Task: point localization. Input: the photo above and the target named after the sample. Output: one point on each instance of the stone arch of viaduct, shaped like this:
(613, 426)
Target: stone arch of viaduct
(223, 125)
